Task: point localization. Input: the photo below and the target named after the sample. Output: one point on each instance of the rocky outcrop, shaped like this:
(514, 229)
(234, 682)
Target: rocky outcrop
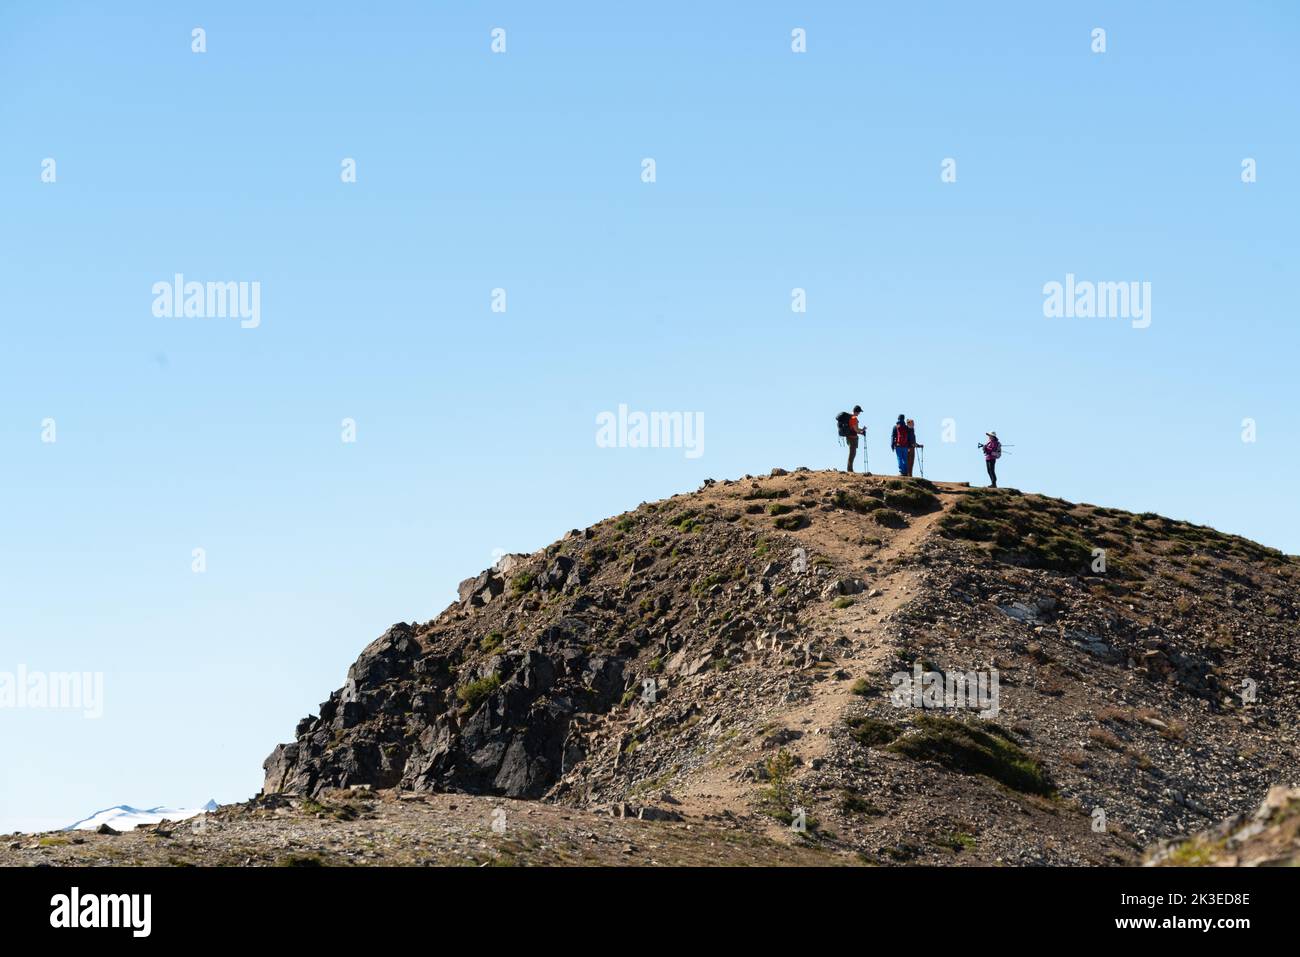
(1267, 837)
(397, 720)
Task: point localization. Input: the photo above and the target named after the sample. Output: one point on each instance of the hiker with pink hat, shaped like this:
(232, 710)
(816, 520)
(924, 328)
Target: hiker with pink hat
(992, 452)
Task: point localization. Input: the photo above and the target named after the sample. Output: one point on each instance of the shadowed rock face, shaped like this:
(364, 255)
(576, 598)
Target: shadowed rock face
(345, 745)
(396, 721)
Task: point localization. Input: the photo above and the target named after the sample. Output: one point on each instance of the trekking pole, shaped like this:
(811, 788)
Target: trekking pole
(923, 461)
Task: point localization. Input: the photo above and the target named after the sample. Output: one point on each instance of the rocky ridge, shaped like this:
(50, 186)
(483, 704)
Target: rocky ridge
(731, 656)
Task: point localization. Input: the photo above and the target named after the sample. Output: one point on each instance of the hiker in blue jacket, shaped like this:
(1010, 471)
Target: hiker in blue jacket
(900, 441)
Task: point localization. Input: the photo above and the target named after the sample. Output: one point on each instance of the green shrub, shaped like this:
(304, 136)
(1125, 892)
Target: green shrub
(779, 797)
(974, 749)
(911, 498)
(957, 840)
(889, 518)
(1031, 536)
(854, 503)
(872, 732)
(973, 529)
(851, 803)
(702, 585)
(688, 520)
(473, 693)
(1198, 851)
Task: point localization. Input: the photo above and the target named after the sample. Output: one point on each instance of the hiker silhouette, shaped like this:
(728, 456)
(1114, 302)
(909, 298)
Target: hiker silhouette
(900, 441)
(992, 452)
(846, 425)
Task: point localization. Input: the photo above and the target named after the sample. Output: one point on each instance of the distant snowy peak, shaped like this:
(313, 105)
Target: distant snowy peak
(124, 817)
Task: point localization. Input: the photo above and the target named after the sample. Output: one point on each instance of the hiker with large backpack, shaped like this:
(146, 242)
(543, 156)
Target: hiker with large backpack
(846, 424)
(900, 442)
(912, 445)
(992, 452)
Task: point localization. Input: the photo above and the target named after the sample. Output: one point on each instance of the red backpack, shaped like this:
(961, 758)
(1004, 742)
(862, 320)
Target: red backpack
(900, 436)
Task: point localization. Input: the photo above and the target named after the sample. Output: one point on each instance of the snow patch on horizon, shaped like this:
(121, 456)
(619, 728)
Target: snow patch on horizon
(123, 817)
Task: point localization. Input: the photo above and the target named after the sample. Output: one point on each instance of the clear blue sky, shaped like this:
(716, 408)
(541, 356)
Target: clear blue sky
(475, 430)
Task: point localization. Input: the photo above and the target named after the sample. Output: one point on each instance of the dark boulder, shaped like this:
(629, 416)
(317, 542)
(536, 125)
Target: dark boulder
(557, 573)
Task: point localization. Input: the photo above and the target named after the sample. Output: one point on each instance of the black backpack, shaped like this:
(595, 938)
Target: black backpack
(842, 425)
